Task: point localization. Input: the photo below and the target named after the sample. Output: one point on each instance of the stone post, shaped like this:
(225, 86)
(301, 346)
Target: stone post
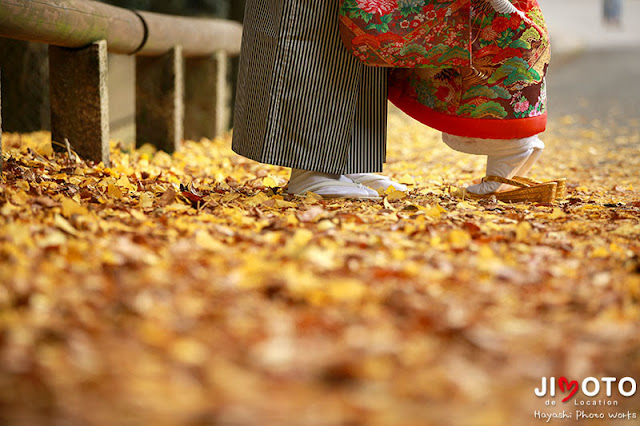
(26, 85)
(159, 100)
(206, 96)
(80, 100)
(237, 10)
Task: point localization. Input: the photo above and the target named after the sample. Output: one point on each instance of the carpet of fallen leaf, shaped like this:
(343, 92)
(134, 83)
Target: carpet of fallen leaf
(187, 289)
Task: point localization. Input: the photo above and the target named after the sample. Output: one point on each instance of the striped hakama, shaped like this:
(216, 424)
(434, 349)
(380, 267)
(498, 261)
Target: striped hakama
(303, 100)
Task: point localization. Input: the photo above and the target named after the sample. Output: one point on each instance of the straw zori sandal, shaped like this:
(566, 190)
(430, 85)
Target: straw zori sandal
(526, 192)
(561, 191)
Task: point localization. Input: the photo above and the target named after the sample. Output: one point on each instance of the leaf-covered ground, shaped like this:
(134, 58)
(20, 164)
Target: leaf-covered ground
(187, 290)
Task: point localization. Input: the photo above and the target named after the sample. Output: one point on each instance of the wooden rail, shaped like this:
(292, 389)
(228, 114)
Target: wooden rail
(181, 64)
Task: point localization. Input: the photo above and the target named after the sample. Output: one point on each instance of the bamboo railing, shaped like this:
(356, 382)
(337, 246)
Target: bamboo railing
(172, 54)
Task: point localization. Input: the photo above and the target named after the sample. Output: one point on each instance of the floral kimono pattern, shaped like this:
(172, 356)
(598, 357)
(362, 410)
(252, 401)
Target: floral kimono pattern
(407, 33)
(466, 67)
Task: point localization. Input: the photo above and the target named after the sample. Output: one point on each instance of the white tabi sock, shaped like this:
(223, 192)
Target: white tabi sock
(505, 157)
(327, 185)
(379, 183)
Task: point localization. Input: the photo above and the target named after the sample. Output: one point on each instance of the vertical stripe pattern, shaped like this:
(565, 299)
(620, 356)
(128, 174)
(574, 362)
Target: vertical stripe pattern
(303, 101)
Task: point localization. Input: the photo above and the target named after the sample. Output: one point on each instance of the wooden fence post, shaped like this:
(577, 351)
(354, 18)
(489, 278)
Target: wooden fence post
(206, 96)
(79, 100)
(159, 100)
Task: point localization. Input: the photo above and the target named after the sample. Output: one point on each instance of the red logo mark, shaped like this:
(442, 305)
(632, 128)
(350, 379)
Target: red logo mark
(566, 385)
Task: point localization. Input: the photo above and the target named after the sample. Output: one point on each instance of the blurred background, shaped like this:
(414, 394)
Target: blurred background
(595, 62)
(594, 72)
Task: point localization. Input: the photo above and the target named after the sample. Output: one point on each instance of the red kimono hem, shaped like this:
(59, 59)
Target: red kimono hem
(469, 127)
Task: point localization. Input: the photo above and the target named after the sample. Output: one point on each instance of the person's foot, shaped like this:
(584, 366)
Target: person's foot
(503, 166)
(515, 163)
(376, 182)
(327, 185)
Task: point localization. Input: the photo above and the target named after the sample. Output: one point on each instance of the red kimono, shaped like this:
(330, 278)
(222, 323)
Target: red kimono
(465, 67)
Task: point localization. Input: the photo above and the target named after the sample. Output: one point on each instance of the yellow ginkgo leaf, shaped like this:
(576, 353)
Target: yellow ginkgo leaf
(124, 182)
(62, 223)
(523, 231)
(271, 182)
(146, 200)
(71, 207)
(396, 196)
(114, 191)
(407, 180)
